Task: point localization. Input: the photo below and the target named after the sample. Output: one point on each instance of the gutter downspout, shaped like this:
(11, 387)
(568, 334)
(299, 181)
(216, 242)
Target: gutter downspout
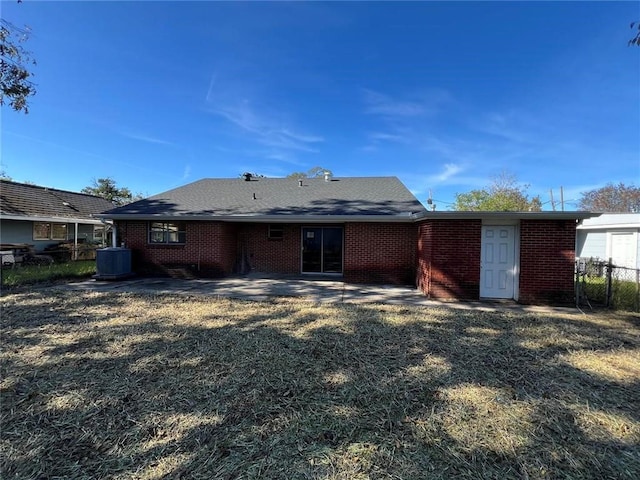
(75, 242)
(114, 231)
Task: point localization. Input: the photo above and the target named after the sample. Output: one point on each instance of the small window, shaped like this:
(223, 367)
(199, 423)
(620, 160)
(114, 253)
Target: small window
(167, 232)
(41, 231)
(276, 232)
(49, 231)
(58, 231)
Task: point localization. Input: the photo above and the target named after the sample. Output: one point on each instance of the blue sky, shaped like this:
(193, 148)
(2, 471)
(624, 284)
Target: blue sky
(443, 95)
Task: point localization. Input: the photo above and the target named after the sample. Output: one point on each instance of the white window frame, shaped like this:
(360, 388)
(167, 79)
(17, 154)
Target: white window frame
(50, 231)
(167, 229)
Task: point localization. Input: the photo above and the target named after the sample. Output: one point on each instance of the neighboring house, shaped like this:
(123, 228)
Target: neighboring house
(614, 236)
(41, 216)
(365, 230)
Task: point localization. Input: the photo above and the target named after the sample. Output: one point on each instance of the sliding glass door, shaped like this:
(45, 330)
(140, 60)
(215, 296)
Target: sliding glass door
(322, 249)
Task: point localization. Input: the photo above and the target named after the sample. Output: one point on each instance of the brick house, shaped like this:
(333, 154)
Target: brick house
(362, 229)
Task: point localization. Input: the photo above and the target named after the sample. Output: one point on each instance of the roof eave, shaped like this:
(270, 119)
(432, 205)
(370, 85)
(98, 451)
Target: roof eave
(482, 215)
(406, 218)
(613, 226)
(44, 218)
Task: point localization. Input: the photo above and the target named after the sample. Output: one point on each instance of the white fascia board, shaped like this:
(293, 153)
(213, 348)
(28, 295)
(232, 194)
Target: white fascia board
(269, 218)
(616, 226)
(87, 221)
(455, 215)
(405, 218)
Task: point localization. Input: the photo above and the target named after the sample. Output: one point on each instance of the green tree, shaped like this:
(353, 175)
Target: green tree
(636, 39)
(503, 195)
(611, 199)
(15, 84)
(314, 172)
(107, 189)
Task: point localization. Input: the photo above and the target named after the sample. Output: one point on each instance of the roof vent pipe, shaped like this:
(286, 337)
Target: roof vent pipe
(327, 176)
(300, 182)
(247, 176)
(254, 196)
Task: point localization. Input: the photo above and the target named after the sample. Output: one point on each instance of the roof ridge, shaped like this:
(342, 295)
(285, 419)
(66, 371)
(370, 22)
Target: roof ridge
(336, 177)
(48, 189)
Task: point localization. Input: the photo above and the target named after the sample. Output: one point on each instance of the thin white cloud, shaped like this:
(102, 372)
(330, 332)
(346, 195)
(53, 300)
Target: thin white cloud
(517, 127)
(450, 170)
(377, 138)
(187, 172)
(379, 104)
(212, 83)
(425, 103)
(241, 103)
(54, 145)
(402, 120)
(266, 130)
(84, 153)
(387, 137)
(146, 138)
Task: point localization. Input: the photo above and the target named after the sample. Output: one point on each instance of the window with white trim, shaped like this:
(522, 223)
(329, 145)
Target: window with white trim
(167, 232)
(49, 231)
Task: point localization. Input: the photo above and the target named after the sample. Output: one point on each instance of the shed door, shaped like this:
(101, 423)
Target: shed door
(623, 249)
(497, 266)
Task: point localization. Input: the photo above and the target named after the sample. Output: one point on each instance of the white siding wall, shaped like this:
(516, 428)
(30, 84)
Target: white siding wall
(18, 231)
(591, 244)
(594, 235)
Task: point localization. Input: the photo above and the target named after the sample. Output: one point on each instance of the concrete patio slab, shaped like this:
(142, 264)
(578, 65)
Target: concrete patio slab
(319, 290)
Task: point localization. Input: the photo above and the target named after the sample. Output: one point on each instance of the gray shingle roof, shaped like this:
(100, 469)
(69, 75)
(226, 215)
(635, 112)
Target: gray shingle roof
(280, 196)
(21, 199)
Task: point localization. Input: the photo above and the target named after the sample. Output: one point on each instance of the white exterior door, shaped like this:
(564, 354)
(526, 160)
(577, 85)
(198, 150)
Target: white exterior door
(622, 249)
(497, 266)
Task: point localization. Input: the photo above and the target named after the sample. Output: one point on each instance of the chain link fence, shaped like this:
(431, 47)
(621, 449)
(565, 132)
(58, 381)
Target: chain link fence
(601, 283)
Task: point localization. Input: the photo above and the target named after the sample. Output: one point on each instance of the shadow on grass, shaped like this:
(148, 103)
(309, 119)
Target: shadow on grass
(139, 386)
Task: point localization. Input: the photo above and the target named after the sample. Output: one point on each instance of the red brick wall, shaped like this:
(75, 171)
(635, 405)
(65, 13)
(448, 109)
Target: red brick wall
(210, 248)
(449, 258)
(441, 256)
(275, 256)
(380, 253)
(424, 253)
(373, 253)
(547, 256)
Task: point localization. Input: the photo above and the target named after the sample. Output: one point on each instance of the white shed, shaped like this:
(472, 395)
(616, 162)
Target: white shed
(611, 235)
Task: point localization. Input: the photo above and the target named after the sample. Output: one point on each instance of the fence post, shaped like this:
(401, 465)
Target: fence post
(576, 282)
(637, 290)
(608, 284)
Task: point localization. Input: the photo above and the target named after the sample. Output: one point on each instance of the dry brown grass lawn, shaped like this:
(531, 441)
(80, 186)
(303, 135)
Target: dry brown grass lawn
(122, 386)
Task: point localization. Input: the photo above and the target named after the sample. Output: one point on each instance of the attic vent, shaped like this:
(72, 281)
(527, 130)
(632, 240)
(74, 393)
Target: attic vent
(327, 176)
(247, 176)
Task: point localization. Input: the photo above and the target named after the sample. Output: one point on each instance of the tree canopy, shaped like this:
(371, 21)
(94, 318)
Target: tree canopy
(107, 189)
(611, 199)
(502, 195)
(636, 38)
(15, 84)
(314, 172)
